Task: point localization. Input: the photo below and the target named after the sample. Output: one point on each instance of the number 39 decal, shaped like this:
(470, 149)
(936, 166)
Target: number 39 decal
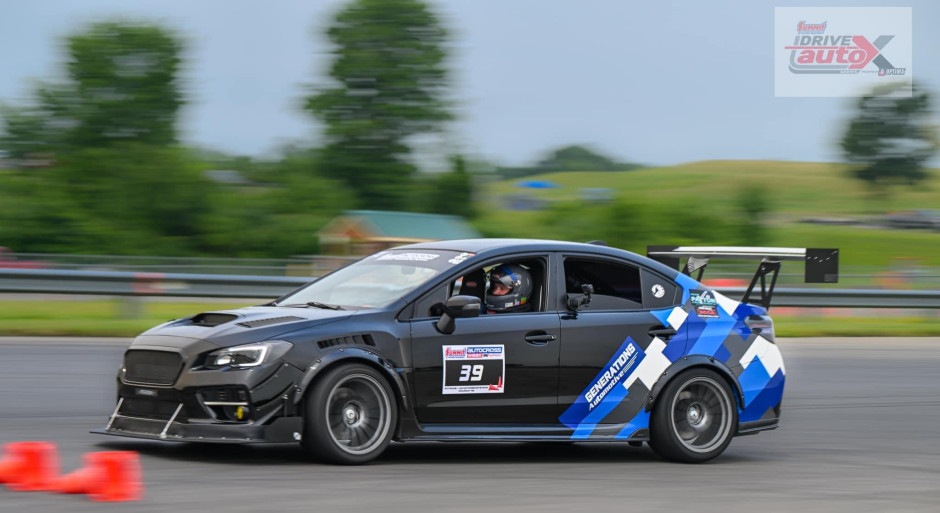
(471, 372)
(473, 369)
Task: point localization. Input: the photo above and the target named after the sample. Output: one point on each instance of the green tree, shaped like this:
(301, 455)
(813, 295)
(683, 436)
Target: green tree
(118, 183)
(569, 158)
(25, 133)
(278, 218)
(752, 203)
(579, 158)
(390, 83)
(452, 193)
(890, 138)
(122, 85)
(148, 188)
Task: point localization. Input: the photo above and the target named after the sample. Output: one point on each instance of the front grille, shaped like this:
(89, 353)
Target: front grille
(151, 367)
(150, 409)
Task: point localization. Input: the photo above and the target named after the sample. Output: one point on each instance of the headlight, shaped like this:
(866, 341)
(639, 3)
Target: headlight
(249, 355)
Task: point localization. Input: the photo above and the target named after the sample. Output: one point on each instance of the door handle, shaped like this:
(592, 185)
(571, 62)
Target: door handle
(538, 338)
(663, 332)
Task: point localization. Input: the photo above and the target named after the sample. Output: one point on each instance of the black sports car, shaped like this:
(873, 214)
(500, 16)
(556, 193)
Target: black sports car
(489, 339)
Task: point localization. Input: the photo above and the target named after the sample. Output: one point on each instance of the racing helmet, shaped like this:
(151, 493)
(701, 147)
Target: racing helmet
(510, 289)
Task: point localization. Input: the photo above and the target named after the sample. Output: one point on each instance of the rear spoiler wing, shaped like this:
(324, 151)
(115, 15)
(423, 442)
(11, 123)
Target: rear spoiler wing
(822, 265)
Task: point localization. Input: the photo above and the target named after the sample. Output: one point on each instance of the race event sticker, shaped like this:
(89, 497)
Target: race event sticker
(603, 395)
(409, 257)
(706, 305)
(460, 258)
(474, 369)
(658, 291)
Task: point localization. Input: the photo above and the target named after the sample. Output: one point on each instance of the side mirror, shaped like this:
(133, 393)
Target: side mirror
(457, 307)
(575, 303)
(461, 307)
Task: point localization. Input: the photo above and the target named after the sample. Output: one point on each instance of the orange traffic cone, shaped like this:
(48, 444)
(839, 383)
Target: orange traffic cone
(29, 466)
(107, 477)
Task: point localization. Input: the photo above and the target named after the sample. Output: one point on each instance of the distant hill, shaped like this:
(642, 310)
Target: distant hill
(707, 191)
(793, 187)
(568, 158)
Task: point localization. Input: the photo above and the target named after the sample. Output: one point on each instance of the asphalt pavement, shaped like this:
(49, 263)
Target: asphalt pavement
(859, 432)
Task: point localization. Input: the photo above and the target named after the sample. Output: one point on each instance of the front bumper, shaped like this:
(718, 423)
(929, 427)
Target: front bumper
(198, 405)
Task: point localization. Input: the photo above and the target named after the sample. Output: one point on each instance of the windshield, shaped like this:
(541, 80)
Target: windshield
(377, 280)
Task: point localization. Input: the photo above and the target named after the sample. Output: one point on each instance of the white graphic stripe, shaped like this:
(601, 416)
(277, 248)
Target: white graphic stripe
(758, 348)
(767, 352)
(773, 361)
(652, 366)
(727, 304)
(677, 317)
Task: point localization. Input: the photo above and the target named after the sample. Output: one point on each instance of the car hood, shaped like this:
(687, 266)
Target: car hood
(225, 328)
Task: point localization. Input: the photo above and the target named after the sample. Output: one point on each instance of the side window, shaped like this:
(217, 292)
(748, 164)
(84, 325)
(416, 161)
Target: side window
(432, 303)
(658, 292)
(514, 286)
(616, 286)
(510, 286)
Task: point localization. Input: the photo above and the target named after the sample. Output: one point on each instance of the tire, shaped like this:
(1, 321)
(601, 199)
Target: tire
(694, 418)
(350, 415)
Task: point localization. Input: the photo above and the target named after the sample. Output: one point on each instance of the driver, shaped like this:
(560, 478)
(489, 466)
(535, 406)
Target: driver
(510, 289)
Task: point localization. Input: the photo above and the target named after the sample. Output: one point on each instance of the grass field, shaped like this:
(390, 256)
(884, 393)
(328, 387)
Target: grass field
(796, 190)
(104, 318)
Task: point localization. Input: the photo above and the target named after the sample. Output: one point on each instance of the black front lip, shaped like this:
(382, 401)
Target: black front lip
(282, 430)
(182, 412)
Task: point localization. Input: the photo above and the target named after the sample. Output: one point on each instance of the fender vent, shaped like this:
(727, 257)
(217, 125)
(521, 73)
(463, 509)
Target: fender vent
(351, 340)
(212, 319)
(268, 322)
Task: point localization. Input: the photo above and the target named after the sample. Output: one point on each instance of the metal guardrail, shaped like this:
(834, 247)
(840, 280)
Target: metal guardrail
(52, 281)
(55, 281)
(311, 265)
(848, 298)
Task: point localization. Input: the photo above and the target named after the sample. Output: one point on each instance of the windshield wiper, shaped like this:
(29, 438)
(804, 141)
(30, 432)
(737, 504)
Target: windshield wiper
(325, 306)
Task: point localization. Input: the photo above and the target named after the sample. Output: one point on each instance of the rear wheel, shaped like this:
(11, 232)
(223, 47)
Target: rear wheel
(694, 418)
(350, 415)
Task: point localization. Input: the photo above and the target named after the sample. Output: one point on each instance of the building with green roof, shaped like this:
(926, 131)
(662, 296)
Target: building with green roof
(363, 232)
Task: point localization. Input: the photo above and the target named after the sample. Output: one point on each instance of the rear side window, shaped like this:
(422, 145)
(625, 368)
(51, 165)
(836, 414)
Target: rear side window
(658, 292)
(616, 286)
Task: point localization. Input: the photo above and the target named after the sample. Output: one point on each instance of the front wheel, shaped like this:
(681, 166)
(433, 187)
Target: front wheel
(695, 417)
(350, 415)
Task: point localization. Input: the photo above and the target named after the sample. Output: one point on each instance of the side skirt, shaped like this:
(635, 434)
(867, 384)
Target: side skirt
(517, 433)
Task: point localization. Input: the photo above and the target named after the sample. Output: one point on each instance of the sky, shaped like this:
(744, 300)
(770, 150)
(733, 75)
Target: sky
(656, 82)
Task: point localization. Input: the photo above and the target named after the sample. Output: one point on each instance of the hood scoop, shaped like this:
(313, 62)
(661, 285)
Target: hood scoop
(210, 319)
(270, 321)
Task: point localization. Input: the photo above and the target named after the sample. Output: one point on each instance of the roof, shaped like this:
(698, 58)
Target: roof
(500, 246)
(409, 226)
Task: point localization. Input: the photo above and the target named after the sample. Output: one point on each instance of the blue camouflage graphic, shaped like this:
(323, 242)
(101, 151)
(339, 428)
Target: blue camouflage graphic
(708, 324)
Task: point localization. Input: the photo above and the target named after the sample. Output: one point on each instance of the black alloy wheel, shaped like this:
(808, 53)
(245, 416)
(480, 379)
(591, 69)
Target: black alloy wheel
(694, 418)
(350, 415)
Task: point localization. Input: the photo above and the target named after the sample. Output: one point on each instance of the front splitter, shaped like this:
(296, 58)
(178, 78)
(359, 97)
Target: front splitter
(281, 430)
